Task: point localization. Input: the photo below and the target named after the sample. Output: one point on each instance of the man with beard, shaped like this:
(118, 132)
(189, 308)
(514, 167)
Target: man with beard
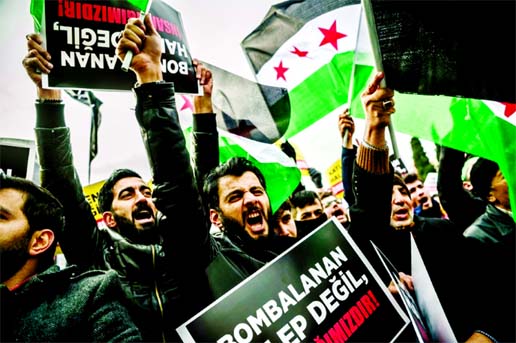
(235, 193)
(136, 222)
(40, 302)
(160, 263)
(236, 196)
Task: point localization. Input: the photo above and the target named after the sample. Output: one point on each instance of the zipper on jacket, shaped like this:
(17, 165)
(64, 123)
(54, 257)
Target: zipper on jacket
(157, 292)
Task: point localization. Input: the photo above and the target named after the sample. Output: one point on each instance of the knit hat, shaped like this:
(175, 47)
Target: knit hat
(481, 176)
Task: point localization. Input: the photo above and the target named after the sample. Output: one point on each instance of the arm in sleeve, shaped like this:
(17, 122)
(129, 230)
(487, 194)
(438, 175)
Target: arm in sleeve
(80, 237)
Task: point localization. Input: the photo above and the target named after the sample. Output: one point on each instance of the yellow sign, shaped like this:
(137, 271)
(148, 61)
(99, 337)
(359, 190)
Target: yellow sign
(334, 174)
(91, 192)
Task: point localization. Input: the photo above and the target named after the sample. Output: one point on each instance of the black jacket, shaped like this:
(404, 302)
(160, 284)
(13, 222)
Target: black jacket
(441, 244)
(460, 205)
(165, 280)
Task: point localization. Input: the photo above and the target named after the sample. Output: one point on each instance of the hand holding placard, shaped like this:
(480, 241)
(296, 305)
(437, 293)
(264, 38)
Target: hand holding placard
(144, 6)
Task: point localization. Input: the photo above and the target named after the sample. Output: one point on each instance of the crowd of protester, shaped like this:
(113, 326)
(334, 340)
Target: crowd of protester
(168, 251)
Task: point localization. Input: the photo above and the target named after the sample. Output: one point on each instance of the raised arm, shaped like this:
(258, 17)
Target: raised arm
(372, 173)
(373, 177)
(348, 154)
(58, 173)
(205, 136)
(460, 205)
(175, 190)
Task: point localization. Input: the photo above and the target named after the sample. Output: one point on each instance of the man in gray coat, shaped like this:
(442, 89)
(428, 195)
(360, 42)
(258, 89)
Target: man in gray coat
(40, 302)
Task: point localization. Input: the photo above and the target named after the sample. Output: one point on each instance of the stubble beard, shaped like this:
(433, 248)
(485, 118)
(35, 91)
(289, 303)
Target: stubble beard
(14, 257)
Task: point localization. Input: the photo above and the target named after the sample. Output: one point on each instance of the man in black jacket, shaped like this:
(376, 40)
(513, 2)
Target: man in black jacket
(161, 264)
(383, 213)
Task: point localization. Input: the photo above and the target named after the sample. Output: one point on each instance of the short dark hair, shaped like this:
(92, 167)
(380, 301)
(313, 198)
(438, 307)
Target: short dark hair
(305, 197)
(323, 193)
(105, 200)
(411, 177)
(235, 166)
(481, 176)
(398, 180)
(42, 209)
(285, 206)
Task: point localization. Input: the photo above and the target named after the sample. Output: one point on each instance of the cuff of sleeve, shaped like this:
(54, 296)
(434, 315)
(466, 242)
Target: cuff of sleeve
(373, 160)
(50, 114)
(150, 94)
(487, 335)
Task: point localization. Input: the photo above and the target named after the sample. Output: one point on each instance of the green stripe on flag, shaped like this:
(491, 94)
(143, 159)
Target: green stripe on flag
(281, 173)
(467, 125)
(464, 124)
(320, 93)
(281, 178)
(36, 11)
(141, 4)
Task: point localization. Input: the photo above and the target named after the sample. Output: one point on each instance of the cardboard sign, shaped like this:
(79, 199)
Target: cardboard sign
(91, 192)
(423, 306)
(321, 289)
(81, 37)
(18, 158)
(334, 174)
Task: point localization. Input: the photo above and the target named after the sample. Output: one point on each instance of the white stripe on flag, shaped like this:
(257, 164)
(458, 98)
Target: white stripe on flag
(262, 152)
(308, 39)
(499, 109)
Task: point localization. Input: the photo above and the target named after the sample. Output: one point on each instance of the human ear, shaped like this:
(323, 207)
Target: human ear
(109, 219)
(215, 218)
(41, 241)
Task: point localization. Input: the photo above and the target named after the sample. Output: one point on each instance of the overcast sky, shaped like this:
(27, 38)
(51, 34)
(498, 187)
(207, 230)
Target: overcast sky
(214, 31)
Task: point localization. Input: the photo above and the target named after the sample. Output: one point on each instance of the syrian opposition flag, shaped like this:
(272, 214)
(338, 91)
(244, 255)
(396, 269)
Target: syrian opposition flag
(247, 108)
(36, 11)
(480, 127)
(484, 128)
(308, 48)
(281, 173)
(143, 5)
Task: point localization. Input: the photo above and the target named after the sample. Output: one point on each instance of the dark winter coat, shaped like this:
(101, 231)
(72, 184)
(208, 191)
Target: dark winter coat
(165, 280)
(66, 306)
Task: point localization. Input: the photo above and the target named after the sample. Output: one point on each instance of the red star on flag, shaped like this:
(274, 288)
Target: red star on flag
(280, 71)
(331, 35)
(300, 53)
(509, 109)
(187, 104)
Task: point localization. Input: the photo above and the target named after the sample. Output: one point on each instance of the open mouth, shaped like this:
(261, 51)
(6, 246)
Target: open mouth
(255, 221)
(338, 213)
(143, 214)
(401, 214)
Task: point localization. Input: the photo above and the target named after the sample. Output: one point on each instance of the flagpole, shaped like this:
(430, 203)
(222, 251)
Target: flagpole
(92, 119)
(129, 55)
(373, 37)
(352, 79)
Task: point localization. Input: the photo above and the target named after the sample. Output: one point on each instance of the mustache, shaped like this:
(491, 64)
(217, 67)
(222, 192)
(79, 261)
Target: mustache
(143, 207)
